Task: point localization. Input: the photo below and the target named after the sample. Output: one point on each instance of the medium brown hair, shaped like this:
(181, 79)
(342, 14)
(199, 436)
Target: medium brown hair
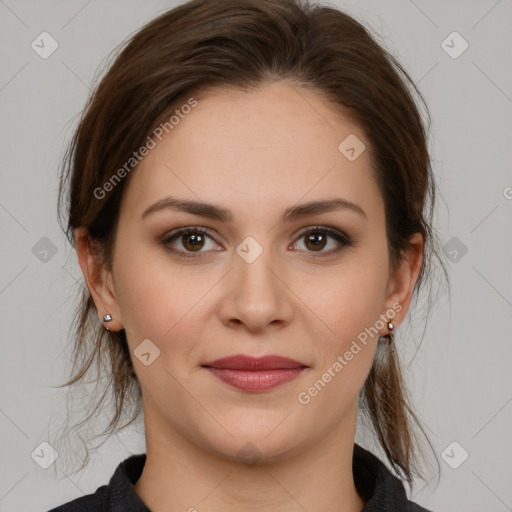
(244, 44)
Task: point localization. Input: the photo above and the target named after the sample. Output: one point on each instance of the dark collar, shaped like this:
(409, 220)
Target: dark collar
(379, 488)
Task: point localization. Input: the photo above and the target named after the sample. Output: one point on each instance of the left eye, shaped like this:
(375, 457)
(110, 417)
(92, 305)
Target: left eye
(316, 239)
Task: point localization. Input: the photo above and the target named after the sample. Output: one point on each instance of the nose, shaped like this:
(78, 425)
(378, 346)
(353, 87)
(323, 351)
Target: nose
(257, 294)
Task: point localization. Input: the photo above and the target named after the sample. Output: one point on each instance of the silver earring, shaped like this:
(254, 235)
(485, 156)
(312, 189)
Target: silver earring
(390, 337)
(107, 318)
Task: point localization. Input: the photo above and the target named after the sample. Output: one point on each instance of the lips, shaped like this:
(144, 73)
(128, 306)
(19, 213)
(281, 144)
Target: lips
(247, 373)
(248, 363)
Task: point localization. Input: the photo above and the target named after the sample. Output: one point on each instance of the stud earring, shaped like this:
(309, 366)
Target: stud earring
(390, 337)
(107, 318)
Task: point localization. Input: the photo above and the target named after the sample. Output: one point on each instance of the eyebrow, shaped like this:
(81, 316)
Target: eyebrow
(214, 212)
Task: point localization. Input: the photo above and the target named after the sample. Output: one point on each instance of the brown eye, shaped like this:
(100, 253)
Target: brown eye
(316, 240)
(192, 241)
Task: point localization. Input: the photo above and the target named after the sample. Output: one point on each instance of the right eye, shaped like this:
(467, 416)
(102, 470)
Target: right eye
(192, 240)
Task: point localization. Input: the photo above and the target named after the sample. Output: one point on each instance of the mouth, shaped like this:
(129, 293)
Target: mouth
(255, 374)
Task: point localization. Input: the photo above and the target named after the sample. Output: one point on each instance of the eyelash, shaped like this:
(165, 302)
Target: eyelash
(341, 238)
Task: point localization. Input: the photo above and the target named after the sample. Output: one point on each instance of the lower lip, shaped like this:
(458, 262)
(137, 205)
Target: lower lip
(256, 380)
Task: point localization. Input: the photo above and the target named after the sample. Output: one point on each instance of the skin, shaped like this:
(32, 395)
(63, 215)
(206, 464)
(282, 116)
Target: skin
(255, 153)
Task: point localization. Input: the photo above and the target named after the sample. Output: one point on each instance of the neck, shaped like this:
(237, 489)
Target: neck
(179, 475)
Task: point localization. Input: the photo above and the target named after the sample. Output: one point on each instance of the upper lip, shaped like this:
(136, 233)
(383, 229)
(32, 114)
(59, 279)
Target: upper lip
(243, 362)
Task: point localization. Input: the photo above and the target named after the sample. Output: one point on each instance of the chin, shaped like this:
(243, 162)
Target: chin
(256, 439)
(251, 450)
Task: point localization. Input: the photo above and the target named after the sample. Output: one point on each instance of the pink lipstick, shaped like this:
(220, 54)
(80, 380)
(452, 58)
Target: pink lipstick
(255, 374)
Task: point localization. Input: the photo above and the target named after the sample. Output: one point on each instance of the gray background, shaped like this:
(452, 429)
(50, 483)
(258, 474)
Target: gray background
(459, 376)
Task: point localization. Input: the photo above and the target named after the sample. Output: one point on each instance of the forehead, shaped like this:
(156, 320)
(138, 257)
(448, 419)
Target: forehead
(269, 146)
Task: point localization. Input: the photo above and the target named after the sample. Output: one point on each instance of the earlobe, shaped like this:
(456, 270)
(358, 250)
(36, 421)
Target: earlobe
(99, 281)
(402, 282)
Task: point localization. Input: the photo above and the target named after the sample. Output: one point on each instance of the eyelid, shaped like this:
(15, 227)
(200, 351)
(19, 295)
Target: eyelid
(325, 229)
(175, 233)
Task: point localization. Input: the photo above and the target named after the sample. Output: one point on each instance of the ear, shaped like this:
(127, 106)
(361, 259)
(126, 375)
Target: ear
(99, 280)
(401, 283)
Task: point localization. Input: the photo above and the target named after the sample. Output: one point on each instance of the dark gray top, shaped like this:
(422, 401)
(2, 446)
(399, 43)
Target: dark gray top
(379, 488)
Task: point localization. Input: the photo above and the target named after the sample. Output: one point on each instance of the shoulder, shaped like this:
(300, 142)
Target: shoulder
(97, 502)
(118, 495)
(381, 490)
(414, 507)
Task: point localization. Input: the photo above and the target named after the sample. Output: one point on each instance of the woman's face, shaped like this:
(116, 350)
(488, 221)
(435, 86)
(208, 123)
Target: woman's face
(256, 283)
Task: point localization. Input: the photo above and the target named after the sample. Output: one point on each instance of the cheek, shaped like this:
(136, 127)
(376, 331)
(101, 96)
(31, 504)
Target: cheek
(160, 306)
(144, 292)
(350, 306)
(142, 298)
(162, 302)
(350, 300)
(345, 356)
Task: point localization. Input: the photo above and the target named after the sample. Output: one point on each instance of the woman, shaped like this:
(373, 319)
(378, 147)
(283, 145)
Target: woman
(248, 193)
